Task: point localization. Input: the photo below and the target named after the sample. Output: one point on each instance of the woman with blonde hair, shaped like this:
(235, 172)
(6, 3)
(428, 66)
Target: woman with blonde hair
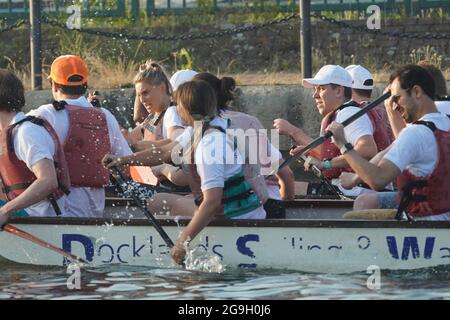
(154, 94)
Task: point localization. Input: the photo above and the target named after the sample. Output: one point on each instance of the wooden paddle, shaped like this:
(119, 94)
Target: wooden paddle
(25, 235)
(317, 142)
(121, 184)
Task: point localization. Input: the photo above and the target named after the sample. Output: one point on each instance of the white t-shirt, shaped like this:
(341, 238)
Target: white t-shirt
(353, 132)
(358, 128)
(217, 160)
(276, 159)
(416, 148)
(171, 119)
(84, 202)
(33, 143)
(443, 106)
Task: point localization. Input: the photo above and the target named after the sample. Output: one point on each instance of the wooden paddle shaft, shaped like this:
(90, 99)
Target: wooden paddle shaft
(317, 142)
(25, 235)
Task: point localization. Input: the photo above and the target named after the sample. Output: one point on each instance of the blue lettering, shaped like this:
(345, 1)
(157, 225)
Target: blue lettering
(110, 248)
(118, 252)
(293, 243)
(392, 245)
(136, 252)
(429, 246)
(366, 245)
(410, 244)
(335, 247)
(241, 244)
(448, 252)
(163, 246)
(247, 265)
(217, 253)
(206, 245)
(85, 241)
(150, 242)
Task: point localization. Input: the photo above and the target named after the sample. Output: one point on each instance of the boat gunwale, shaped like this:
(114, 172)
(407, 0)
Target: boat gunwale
(266, 223)
(297, 203)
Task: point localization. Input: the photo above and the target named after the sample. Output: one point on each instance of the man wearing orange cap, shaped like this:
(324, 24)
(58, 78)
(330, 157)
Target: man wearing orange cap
(86, 132)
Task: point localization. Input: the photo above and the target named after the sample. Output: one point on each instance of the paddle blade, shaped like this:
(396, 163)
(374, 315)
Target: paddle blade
(25, 235)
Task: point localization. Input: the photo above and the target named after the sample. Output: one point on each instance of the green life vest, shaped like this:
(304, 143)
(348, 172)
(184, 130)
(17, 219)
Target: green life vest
(20, 213)
(238, 197)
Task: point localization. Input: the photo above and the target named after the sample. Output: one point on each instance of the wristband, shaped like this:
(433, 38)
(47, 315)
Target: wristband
(327, 164)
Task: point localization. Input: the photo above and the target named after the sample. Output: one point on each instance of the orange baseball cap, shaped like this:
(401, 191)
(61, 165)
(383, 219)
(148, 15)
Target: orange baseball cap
(67, 66)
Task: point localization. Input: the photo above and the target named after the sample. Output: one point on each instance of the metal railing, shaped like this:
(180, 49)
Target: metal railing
(91, 9)
(14, 9)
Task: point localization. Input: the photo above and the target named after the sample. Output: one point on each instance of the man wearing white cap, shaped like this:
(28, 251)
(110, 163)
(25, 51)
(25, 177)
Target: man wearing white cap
(362, 83)
(332, 93)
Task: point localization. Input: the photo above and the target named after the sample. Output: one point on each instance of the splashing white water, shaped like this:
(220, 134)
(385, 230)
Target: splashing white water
(199, 260)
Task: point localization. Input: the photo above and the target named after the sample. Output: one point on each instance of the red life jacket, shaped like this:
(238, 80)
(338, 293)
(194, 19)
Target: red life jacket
(428, 196)
(86, 144)
(15, 174)
(382, 135)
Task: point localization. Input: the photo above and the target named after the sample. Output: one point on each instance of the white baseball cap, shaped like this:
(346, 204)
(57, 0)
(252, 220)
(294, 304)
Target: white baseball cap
(362, 78)
(329, 74)
(180, 77)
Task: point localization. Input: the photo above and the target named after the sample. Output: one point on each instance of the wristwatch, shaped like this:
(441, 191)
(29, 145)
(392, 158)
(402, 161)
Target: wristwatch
(346, 148)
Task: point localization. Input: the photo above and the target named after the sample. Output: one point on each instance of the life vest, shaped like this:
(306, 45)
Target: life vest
(151, 131)
(16, 176)
(382, 135)
(152, 126)
(252, 171)
(143, 174)
(86, 144)
(239, 197)
(428, 196)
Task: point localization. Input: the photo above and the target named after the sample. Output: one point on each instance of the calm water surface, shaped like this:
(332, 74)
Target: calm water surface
(122, 282)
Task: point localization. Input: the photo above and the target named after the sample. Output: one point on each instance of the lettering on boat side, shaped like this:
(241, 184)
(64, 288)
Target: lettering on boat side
(248, 248)
(241, 245)
(363, 242)
(448, 252)
(67, 240)
(205, 246)
(410, 244)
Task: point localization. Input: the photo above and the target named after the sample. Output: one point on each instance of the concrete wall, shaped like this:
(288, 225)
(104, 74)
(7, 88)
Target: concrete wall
(291, 102)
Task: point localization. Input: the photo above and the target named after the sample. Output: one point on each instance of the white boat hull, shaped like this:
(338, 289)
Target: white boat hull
(325, 246)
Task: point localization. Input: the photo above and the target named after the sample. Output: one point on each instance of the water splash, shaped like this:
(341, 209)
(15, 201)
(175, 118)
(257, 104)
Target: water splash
(199, 260)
